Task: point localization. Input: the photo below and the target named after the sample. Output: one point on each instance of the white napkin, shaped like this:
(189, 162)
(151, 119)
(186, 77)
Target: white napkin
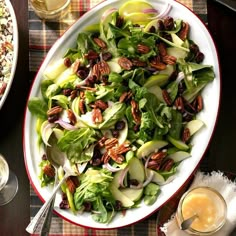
(223, 185)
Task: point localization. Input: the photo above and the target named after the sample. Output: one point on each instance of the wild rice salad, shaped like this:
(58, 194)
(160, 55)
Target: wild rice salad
(6, 46)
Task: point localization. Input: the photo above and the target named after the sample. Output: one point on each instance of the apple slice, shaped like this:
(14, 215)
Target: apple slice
(178, 143)
(149, 147)
(133, 194)
(118, 195)
(136, 170)
(157, 91)
(157, 178)
(194, 126)
(179, 156)
(159, 80)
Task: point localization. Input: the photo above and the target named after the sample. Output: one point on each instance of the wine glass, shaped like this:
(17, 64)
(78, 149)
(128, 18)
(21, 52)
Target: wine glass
(8, 182)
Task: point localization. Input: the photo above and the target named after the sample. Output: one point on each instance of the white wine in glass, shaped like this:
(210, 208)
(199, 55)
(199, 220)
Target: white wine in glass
(8, 182)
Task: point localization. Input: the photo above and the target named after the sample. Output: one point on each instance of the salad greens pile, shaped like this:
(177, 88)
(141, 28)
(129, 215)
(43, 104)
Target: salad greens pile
(123, 105)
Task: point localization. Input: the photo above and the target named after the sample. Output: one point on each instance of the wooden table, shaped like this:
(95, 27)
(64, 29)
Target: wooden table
(15, 216)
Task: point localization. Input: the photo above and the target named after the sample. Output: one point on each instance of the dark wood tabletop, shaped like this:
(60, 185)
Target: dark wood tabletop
(15, 216)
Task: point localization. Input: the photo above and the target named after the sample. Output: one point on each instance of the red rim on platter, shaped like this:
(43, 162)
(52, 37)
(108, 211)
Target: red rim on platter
(200, 142)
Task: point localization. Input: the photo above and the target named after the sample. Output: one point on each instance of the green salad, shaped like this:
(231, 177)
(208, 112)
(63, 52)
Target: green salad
(122, 104)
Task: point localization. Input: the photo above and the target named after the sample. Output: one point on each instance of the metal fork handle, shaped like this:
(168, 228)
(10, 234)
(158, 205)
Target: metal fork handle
(37, 218)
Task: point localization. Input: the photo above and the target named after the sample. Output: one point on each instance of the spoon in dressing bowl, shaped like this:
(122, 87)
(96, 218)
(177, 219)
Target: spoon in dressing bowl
(57, 159)
(187, 223)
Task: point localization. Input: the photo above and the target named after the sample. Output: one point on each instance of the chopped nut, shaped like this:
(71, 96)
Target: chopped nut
(71, 116)
(75, 66)
(183, 34)
(143, 49)
(49, 171)
(185, 135)
(179, 104)
(135, 112)
(82, 107)
(125, 96)
(157, 64)
(103, 67)
(54, 110)
(100, 42)
(101, 104)
(159, 155)
(167, 165)
(170, 60)
(162, 49)
(97, 116)
(125, 63)
(166, 97)
(110, 143)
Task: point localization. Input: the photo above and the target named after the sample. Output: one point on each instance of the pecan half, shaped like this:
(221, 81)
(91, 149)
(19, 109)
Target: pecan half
(183, 34)
(143, 49)
(101, 104)
(91, 55)
(166, 97)
(71, 116)
(73, 94)
(100, 43)
(101, 142)
(125, 63)
(103, 68)
(105, 158)
(97, 116)
(170, 60)
(125, 96)
(159, 155)
(162, 49)
(135, 112)
(82, 107)
(75, 66)
(123, 148)
(157, 64)
(118, 158)
(110, 143)
(49, 170)
(139, 63)
(179, 104)
(70, 184)
(96, 71)
(199, 103)
(54, 111)
(185, 135)
(167, 165)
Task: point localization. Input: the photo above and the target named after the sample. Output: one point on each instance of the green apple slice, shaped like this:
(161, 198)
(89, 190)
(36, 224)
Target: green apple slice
(134, 6)
(178, 143)
(157, 91)
(179, 156)
(118, 195)
(136, 170)
(114, 66)
(55, 69)
(159, 79)
(149, 147)
(123, 133)
(194, 126)
(133, 194)
(176, 52)
(157, 177)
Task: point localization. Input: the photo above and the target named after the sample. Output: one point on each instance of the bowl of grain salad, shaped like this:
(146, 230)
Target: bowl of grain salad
(8, 48)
